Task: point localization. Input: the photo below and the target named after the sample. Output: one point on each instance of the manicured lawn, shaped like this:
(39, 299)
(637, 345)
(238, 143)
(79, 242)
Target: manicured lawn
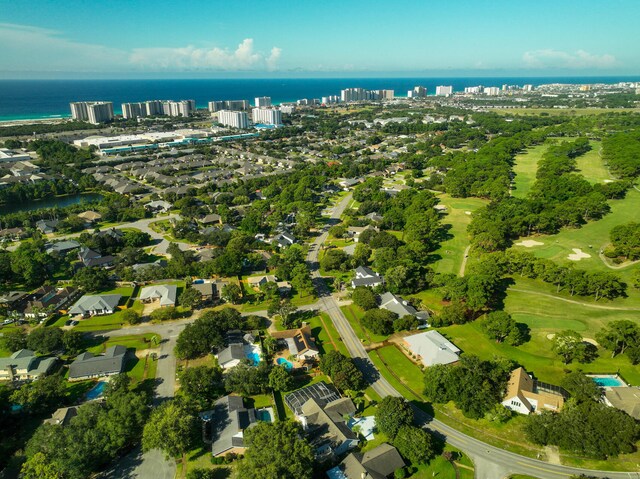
(111, 321)
(591, 166)
(441, 468)
(405, 371)
(324, 331)
(450, 254)
(590, 238)
(200, 458)
(134, 341)
(525, 168)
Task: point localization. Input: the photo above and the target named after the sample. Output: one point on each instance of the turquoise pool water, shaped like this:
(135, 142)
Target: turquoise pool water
(96, 391)
(608, 382)
(264, 415)
(288, 365)
(254, 358)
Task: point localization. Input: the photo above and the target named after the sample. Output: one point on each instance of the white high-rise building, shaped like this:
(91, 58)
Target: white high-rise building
(287, 109)
(268, 116)
(417, 92)
(385, 94)
(133, 110)
(474, 89)
(442, 90)
(153, 107)
(182, 108)
(263, 102)
(527, 87)
(354, 94)
(234, 119)
(235, 105)
(92, 111)
(492, 91)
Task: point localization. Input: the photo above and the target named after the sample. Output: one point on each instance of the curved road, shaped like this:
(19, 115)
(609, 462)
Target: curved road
(491, 462)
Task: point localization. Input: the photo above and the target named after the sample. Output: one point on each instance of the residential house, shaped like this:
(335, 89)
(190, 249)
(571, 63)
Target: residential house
(626, 399)
(165, 294)
(366, 277)
(211, 219)
(525, 395)
(374, 217)
(47, 226)
(378, 463)
(227, 422)
(300, 343)
(96, 305)
(432, 348)
(401, 307)
(90, 258)
(284, 239)
(47, 300)
(355, 231)
(62, 416)
(158, 206)
(231, 355)
(90, 216)
(349, 182)
(13, 234)
(325, 427)
(89, 366)
(24, 365)
(61, 247)
(207, 290)
(256, 281)
(14, 301)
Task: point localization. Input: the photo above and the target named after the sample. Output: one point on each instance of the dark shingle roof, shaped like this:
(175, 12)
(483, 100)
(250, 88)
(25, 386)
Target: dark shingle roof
(86, 364)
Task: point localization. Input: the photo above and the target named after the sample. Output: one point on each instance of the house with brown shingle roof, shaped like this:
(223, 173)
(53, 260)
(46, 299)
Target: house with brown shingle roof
(525, 395)
(300, 342)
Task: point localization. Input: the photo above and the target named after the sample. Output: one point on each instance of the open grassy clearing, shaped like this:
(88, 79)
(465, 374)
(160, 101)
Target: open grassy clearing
(353, 314)
(590, 238)
(591, 165)
(525, 168)
(327, 337)
(451, 251)
(443, 469)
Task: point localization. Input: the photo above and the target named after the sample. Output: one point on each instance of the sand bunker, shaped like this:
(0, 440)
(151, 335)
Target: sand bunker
(529, 243)
(578, 254)
(467, 213)
(608, 181)
(550, 336)
(590, 341)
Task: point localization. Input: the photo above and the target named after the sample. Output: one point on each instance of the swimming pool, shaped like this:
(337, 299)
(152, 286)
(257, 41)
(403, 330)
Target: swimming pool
(608, 381)
(288, 365)
(96, 391)
(252, 352)
(265, 414)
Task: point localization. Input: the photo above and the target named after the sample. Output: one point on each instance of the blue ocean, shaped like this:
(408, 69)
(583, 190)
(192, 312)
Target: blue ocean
(30, 99)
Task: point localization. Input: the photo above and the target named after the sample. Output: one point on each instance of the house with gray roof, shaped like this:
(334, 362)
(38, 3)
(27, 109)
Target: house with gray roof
(227, 421)
(61, 247)
(165, 294)
(401, 307)
(96, 305)
(62, 416)
(431, 348)
(89, 366)
(231, 355)
(378, 463)
(47, 226)
(366, 277)
(24, 365)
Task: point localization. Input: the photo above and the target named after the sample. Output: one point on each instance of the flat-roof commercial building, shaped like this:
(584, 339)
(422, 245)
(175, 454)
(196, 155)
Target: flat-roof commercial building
(234, 119)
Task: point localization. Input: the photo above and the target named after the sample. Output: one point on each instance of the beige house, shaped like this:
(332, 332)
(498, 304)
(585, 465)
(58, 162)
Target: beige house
(24, 365)
(525, 396)
(90, 216)
(300, 343)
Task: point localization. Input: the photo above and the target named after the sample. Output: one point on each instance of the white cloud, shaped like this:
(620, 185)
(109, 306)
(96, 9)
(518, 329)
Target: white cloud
(27, 48)
(191, 58)
(557, 59)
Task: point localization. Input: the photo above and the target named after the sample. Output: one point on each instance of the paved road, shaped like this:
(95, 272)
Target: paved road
(491, 462)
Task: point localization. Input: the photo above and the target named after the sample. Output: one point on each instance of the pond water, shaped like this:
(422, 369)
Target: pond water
(59, 201)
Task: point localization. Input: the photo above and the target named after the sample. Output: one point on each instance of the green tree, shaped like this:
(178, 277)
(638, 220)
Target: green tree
(500, 326)
(45, 340)
(393, 413)
(365, 298)
(581, 387)
(569, 345)
(342, 371)
(379, 321)
(202, 384)
(190, 298)
(333, 260)
(246, 379)
(131, 316)
(43, 395)
(619, 335)
(14, 339)
(37, 467)
(92, 280)
(73, 341)
(231, 293)
(165, 314)
(30, 263)
(172, 428)
(276, 451)
(414, 444)
(280, 379)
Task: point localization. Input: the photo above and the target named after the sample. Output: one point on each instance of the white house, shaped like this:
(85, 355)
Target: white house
(432, 348)
(96, 305)
(165, 294)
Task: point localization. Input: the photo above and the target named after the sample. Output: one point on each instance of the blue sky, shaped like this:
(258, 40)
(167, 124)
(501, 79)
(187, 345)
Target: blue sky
(124, 38)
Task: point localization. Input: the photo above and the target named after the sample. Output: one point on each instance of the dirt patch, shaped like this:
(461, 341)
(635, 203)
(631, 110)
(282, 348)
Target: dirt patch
(529, 243)
(553, 455)
(150, 308)
(578, 254)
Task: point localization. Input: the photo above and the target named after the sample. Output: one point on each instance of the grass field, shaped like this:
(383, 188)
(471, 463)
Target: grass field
(443, 469)
(560, 111)
(451, 251)
(591, 165)
(324, 331)
(590, 238)
(353, 314)
(525, 168)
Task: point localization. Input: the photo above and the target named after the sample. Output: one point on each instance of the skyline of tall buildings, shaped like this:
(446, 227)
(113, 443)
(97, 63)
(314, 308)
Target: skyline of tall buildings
(234, 119)
(94, 112)
(262, 102)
